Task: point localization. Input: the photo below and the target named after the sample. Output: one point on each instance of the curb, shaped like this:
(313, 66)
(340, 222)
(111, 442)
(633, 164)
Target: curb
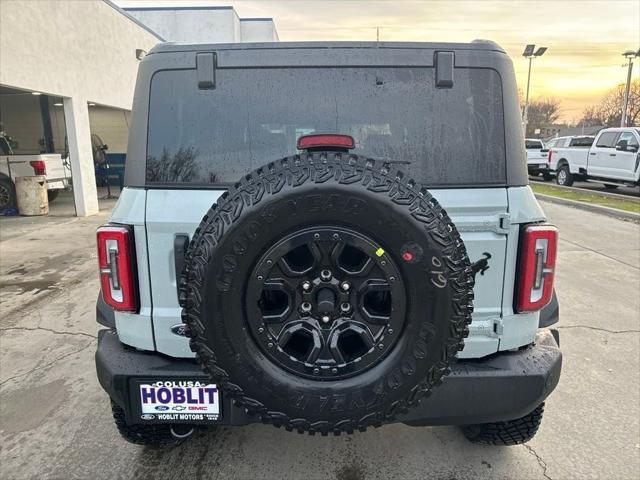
(589, 207)
(622, 196)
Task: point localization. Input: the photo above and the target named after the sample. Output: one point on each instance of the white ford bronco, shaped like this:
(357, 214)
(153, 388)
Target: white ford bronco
(327, 237)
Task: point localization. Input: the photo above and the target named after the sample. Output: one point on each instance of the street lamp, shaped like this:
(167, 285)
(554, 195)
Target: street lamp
(530, 54)
(629, 55)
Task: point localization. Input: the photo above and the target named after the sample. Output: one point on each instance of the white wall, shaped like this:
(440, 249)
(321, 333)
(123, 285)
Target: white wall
(20, 117)
(79, 50)
(112, 126)
(258, 30)
(71, 48)
(204, 24)
(191, 25)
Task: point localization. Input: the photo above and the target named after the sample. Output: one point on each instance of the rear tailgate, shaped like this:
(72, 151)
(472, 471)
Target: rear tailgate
(480, 215)
(536, 157)
(55, 167)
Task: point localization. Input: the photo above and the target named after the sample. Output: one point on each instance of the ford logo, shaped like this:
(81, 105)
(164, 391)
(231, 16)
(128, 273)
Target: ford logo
(147, 416)
(180, 329)
(162, 408)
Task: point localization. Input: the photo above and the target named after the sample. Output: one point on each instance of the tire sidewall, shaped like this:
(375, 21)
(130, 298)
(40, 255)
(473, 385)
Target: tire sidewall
(8, 185)
(434, 326)
(565, 179)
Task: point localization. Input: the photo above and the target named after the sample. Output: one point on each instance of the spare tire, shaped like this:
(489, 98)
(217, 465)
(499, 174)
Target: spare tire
(326, 292)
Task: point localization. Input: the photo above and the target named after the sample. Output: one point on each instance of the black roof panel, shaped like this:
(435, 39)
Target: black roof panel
(482, 45)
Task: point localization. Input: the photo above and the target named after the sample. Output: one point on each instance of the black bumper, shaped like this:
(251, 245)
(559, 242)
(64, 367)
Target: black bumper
(504, 386)
(537, 168)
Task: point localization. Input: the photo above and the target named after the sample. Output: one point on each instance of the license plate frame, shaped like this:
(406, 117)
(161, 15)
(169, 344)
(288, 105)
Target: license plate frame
(170, 400)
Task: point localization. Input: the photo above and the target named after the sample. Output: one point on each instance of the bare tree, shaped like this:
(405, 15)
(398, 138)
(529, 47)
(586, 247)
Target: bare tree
(542, 113)
(179, 167)
(590, 117)
(609, 111)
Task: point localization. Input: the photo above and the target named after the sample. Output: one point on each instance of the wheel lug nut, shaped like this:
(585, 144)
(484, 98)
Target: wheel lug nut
(345, 286)
(305, 307)
(306, 286)
(325, 275)
(345, 307)
(325, 318)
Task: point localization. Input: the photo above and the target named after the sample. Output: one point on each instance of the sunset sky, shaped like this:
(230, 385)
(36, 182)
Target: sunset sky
(585, 37)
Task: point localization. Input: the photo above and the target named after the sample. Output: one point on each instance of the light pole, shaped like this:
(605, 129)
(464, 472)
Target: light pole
(530, 54)
(629, 55)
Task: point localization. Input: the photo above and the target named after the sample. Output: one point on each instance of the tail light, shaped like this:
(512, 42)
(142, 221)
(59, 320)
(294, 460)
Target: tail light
(116, 259)
(326, 141)
(536, 268)
(39, 167)
(549, 156)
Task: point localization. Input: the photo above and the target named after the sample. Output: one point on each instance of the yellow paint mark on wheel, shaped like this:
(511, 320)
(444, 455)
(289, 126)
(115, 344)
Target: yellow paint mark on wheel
(379, 252)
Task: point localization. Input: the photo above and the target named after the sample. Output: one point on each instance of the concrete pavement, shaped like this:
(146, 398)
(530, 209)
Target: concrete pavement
(55, 421)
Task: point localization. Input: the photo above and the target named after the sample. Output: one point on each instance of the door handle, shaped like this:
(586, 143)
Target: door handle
(592, 153)
(612, 154)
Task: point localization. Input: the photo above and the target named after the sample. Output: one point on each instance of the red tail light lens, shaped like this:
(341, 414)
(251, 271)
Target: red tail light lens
(39, 167)
(537, 264)
(549, 156)
(116, 259)
(326, 141)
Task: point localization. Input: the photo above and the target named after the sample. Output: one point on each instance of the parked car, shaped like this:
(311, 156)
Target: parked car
(50, 165)
(537, 158)
(327, 267)
(611, 158)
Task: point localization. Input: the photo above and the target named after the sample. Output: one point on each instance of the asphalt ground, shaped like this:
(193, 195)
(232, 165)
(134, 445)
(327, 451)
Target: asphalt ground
(55, 421)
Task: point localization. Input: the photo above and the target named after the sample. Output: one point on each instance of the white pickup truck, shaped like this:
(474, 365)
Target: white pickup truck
(50, 165)
(612, 159)
(537, 158)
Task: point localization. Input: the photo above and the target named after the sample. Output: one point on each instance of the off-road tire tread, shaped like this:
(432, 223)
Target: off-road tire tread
(512, 432)
(8, 184)
(382, 178)
(154, 436)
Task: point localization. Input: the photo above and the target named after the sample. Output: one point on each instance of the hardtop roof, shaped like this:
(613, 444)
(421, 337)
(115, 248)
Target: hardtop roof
(478, 45)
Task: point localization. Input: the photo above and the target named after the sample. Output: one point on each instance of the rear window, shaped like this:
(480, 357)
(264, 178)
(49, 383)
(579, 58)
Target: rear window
(254, 116)
(533, 145)
(582, 142)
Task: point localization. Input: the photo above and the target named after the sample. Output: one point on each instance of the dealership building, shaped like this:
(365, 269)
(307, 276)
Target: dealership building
(68, 71)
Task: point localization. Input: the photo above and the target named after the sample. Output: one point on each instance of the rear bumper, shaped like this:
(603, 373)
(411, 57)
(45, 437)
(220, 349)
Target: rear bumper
(504, 386)
(538, 167)
(57, 184)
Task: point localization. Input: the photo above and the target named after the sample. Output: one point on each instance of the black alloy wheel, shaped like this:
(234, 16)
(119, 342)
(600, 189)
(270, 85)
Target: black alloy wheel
(324, 305)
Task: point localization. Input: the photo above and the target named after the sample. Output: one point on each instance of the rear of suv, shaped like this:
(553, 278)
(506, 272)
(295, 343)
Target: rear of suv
(327, 237)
